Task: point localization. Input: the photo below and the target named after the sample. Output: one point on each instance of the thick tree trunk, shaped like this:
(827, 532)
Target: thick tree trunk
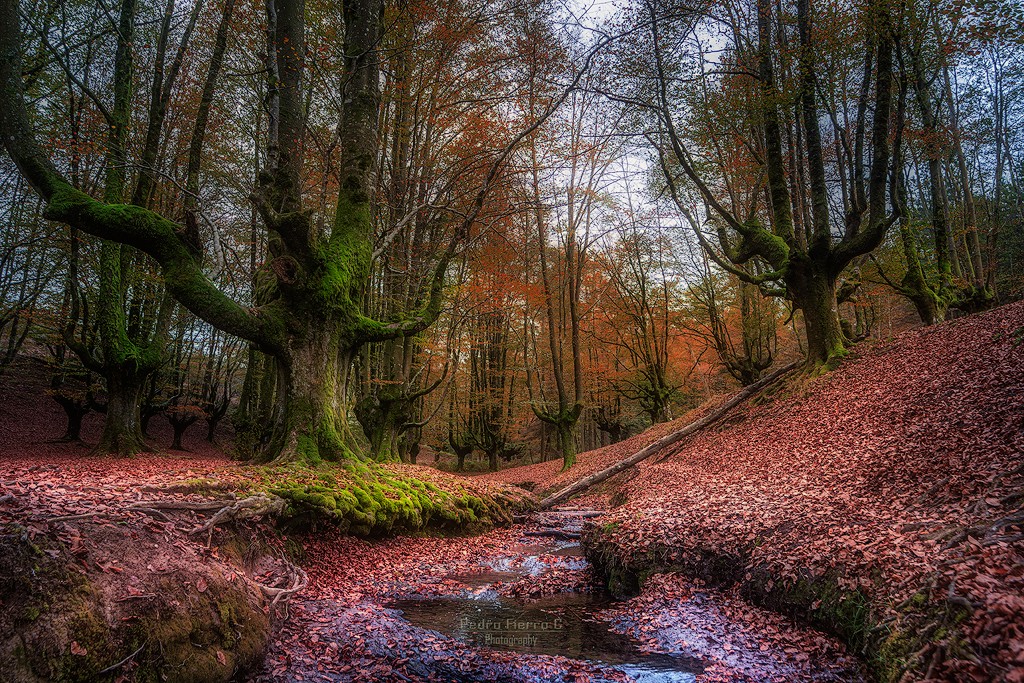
(122, 426)
(309, 423)
(815, 294)
(566, 432)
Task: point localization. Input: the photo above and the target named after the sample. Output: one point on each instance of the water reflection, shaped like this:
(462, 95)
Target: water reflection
(560, 625)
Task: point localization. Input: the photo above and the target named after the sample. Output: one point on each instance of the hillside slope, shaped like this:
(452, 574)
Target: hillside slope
(881, 502)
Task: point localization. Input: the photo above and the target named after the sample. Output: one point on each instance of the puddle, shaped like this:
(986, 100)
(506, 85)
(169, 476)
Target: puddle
(560, 625)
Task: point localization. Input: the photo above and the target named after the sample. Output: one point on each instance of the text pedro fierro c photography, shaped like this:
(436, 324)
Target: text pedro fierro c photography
(510, 632)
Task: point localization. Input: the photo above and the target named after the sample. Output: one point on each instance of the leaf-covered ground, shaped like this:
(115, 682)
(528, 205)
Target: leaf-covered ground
(897, 477)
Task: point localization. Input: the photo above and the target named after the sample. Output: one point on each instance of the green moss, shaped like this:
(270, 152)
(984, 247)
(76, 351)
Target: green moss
(918, 624)
(177, 639)
(308, 449)
(368, 500)
(819, 601)
(895, 655)
(184, 641)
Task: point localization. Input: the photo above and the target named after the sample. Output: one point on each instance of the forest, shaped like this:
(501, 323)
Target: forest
(405, 269)
(504, 231)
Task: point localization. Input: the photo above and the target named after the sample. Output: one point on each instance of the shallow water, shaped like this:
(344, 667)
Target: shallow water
(563, 625)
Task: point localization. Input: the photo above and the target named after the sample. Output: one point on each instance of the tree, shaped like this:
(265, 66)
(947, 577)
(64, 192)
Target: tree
(310, 317)
(744, 333)
(583, 150)
(642, 315)
(803, 257)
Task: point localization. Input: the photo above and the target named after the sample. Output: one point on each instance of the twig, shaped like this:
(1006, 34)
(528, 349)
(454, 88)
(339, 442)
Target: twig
(154, 513)
(124, 661)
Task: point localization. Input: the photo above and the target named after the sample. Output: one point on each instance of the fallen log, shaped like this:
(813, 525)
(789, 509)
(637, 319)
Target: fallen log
(665, 441)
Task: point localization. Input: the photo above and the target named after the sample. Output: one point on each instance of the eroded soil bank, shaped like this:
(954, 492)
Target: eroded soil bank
(178, 569)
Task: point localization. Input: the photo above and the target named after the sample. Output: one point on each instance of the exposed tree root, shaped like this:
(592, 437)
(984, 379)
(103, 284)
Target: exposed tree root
(297, 581)
(987, 532)
(997, 480)
(257, 505)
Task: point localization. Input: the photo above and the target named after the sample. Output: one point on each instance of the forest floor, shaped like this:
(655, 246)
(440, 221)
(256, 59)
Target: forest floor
(882, 501)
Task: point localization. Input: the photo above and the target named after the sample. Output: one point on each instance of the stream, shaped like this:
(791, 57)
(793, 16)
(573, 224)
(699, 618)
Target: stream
(522, 605)
(570, 624)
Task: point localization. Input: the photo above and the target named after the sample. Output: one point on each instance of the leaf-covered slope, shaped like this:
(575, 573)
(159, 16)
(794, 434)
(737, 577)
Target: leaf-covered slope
(887, 493)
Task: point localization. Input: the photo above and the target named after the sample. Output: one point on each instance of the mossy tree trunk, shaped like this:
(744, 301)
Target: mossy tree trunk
(311, 322)
(382, 416)
(131, 346)
(915, 284)
(566, 432)
(122, 427)
(814, 293)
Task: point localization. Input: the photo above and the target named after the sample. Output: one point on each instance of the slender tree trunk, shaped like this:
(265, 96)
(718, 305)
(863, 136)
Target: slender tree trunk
(179, 425)
(75, 413)
(211, 429)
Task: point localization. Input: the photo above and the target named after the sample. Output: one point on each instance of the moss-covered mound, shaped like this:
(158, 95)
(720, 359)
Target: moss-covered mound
(380, 500)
